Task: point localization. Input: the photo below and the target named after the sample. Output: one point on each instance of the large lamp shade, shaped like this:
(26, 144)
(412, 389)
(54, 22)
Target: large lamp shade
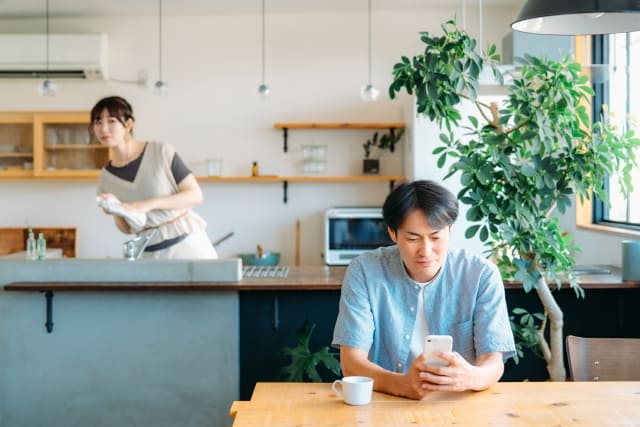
(568, 17)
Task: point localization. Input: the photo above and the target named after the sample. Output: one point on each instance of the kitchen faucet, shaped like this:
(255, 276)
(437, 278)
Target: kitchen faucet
(134, 248)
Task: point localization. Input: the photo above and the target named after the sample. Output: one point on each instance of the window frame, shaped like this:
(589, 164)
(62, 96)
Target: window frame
(598, 209)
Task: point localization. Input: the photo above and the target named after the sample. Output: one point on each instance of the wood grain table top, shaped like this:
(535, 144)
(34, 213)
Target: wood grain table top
(504, 404)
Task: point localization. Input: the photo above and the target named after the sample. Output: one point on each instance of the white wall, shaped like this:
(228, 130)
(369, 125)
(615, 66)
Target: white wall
(316, 64)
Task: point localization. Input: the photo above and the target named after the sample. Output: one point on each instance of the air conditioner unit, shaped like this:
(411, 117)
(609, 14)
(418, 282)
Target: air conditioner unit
(81, 56)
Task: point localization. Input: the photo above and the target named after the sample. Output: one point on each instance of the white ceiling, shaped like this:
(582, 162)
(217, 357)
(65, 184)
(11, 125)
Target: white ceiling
(12, 9)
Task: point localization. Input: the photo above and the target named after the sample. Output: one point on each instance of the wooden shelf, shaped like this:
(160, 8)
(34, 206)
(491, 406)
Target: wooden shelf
(392, 126)
(75, 147)
(356, 178)
(285, 180)
(17, 154)
(374, 125)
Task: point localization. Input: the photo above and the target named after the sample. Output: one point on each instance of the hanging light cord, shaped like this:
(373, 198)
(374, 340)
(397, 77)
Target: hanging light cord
(160, 38)
(480, 24)
(369, 41)
(263, 43)
(47, 39)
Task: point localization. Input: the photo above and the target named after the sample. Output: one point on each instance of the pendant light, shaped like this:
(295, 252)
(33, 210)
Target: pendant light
(263, 90)
(160, 87)
(47, 87)
(571, 17)
(368, 91)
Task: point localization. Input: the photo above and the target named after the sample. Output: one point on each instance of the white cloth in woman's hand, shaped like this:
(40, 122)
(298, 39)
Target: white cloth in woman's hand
(113, 206)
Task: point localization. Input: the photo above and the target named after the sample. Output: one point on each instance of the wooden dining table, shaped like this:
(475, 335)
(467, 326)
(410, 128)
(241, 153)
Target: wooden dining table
(504, 404)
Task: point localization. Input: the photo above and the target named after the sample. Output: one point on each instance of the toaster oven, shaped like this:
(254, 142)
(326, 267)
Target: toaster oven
(351, 231)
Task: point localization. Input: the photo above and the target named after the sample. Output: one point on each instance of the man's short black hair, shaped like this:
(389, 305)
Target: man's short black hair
(438, 204)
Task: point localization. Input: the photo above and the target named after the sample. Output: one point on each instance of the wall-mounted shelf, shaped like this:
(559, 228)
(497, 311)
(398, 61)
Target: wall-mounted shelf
(392, 126)
(285, 180)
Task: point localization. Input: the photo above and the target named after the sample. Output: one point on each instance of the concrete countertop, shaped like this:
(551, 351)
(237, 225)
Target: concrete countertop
(119, 270)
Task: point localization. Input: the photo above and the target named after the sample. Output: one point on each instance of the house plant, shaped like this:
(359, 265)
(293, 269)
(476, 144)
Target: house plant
(304, 362)
(519, 164)
(387, 141)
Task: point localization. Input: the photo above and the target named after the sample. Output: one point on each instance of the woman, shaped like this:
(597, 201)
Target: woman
(148, 181)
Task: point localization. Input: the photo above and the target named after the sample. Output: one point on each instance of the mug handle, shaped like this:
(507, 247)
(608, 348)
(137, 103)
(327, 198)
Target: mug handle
(334, 386)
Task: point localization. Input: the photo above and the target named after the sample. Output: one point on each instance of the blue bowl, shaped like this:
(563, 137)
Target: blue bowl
(268, 258)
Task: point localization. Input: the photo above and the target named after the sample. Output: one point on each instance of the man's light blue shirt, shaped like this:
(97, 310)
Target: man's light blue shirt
(378, 307)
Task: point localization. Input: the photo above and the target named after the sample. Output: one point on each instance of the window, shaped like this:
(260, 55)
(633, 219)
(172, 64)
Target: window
(619, 89)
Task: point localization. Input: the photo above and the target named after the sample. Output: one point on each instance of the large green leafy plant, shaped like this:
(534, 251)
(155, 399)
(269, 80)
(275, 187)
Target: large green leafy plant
(519, 163)
(304, 362)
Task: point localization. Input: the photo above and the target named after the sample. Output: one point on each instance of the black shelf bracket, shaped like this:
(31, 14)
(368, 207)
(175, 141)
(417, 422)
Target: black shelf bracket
(48, 296)
(275, 313)
(392, 185)
(285, 187)
(392, 134)
(285, 135)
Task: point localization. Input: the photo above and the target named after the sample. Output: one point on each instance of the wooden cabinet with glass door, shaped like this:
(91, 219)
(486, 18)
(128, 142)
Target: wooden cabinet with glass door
(67, 148)
(49, 145)
(16, 145)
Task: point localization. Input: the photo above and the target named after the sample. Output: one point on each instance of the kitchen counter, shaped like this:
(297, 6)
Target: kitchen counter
(84, 270)
(303, 278)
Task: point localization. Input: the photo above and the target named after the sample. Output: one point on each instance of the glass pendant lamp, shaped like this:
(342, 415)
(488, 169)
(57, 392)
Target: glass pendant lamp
(264, 91)
(368, 91)
(47, 87)
(160, 87)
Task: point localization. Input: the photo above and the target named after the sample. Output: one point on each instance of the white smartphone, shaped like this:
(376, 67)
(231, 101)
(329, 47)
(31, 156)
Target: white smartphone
(434, 343)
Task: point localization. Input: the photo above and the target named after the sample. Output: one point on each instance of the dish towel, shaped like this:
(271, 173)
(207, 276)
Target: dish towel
(112, 205)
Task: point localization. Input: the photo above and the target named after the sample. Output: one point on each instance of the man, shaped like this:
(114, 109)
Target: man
(394, 296)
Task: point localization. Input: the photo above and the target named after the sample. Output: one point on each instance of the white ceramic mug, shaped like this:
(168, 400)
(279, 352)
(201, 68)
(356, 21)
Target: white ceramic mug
(354, 390)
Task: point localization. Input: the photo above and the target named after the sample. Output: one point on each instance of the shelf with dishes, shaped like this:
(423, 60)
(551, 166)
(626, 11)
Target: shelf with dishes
(285, 180)
(49, 144)
(392, 126)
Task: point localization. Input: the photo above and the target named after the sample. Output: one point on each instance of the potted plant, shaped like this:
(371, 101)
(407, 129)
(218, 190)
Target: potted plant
(304, 362)
(386, 142)
(519, 163)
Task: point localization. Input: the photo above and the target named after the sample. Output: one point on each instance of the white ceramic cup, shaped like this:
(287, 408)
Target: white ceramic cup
(354, 390)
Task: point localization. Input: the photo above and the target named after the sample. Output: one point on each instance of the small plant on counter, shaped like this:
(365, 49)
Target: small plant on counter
(304, 362)
(387, 141)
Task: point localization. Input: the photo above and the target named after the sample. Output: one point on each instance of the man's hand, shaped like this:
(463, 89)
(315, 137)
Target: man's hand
(461, 375)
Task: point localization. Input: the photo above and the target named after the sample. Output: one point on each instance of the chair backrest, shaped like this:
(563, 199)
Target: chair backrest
(604, 359)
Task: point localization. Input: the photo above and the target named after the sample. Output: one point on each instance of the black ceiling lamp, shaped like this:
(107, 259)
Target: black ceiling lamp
(571, 17)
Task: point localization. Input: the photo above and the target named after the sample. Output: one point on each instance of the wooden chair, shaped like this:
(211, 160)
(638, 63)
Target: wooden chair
(604, 359)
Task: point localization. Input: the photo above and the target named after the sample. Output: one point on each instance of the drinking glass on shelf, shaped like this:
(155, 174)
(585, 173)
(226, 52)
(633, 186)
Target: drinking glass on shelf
(314, 158)
(52, 136)
(64, 135)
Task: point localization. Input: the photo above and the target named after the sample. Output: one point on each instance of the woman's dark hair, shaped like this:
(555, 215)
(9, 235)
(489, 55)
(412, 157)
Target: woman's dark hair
(117, 107)
(438, 204)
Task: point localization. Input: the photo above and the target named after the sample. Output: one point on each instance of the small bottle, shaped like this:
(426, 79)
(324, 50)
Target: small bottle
(41, 247)
(31, 246)
(254, 169)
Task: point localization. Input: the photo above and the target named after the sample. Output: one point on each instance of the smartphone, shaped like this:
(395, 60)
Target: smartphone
(434, 343)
